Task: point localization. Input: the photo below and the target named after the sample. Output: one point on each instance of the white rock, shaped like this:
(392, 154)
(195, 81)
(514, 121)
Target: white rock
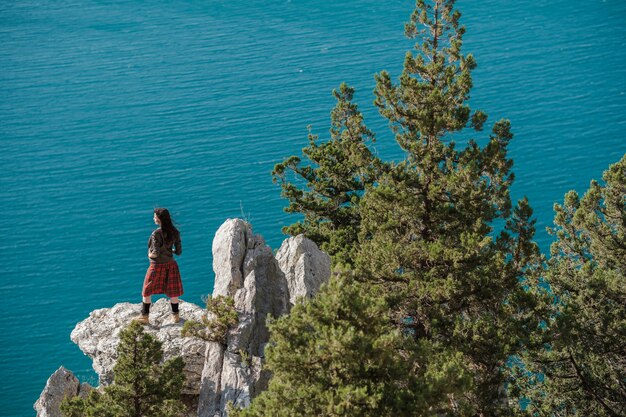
(98, 337)
(305, 267)
(229, 250)
(246, 270)
(210, 391)
(236, 382)
(62, 383)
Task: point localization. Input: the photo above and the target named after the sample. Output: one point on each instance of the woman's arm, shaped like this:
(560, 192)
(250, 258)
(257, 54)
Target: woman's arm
(179, 247)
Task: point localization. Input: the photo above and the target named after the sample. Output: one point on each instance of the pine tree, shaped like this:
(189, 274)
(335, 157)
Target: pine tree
(582, 369)
(335, 179)
(422, 231)
(340, 355)
(142, 387)
(427, 229)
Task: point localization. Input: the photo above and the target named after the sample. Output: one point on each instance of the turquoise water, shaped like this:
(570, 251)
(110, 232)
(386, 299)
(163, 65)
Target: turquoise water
(109, 109)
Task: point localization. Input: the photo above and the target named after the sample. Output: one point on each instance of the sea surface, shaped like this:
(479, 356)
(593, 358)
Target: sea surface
(111, 108)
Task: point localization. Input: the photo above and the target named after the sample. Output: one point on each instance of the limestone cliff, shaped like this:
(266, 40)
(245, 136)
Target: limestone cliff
(98, 336)
(261, 284)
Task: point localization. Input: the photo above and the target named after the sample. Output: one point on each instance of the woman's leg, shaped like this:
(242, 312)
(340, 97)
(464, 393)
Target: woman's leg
(145, 311)
(145, 306)
(174, 304)
(148, 289)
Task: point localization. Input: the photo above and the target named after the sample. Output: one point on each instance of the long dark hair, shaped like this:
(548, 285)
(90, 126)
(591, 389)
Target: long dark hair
(170, 232)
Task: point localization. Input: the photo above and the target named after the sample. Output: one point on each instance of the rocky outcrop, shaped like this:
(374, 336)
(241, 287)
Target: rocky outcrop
(246, 270)
(261, 285)
(62, 383)
(98, 336)
(305, 267)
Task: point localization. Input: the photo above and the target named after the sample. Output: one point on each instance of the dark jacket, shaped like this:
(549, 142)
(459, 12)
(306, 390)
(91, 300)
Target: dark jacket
(160, 251)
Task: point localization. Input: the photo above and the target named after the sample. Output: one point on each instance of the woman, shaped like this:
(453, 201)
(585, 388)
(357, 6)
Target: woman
(163, 276)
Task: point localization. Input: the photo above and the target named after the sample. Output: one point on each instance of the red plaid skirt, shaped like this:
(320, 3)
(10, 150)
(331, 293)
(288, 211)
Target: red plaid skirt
(162, 279)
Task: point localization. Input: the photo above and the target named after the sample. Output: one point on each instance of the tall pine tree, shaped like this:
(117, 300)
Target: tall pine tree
(582, 369)
(143, 386)
(328, 189)
(421, 231)
(427, 234)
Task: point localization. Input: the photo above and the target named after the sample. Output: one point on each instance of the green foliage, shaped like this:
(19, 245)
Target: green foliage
(143, 386)
(336, 178)
(455, 283)
(429, 100)
(93, 406)
(245, 358)
(340, 355)
(426, 237)
(221, 317)
(582, 371)
(420, 233)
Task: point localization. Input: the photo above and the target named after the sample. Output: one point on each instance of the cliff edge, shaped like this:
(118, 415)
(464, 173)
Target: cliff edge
(246, 270)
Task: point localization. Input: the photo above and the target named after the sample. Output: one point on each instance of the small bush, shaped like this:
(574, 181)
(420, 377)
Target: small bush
(220, 318)
(245, 358)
